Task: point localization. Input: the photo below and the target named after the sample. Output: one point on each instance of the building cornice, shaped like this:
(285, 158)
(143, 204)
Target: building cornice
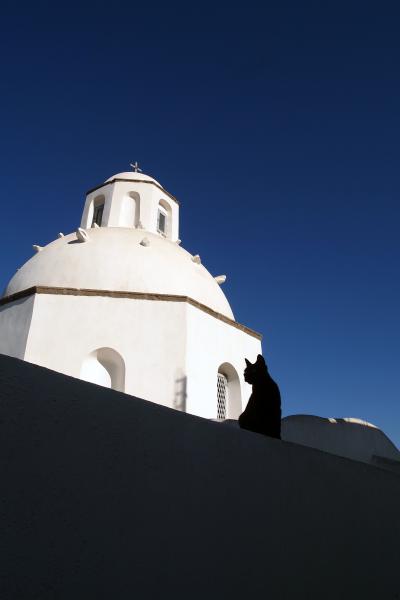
(61, 291)
(116, 179)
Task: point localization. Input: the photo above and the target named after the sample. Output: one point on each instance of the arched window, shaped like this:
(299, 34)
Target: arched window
(229, 403)
(130, 210)
(98, 209)
(164, 218)
(105, 367)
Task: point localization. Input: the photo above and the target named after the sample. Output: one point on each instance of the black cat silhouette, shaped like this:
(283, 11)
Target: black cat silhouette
(263, 411)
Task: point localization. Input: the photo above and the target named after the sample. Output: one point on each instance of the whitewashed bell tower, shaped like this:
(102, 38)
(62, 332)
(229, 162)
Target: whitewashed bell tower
(120, 303)
(132, 200)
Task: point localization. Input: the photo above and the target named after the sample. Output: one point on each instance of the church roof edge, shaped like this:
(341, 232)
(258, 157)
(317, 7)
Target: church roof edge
(117, 179)
(130, 295)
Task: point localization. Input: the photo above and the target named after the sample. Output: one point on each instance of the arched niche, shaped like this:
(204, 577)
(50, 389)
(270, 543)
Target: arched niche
(130, 210)
(164, 218)
(233, 395)
(96, 211)
(105, 367)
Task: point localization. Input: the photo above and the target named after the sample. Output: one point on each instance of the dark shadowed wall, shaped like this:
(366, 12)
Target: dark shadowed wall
(108, 496)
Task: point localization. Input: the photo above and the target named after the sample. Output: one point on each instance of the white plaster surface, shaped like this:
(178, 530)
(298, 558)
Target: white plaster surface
(209, 344)
(15, 320)
(160, 343)
(148, 335)
(115, 260)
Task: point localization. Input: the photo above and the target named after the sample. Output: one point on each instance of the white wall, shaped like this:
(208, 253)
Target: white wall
(210, 343)
(15, 319)
(149, 336)
(169, 348)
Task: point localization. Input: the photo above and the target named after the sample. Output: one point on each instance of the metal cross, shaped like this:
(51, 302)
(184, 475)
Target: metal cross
(135, 167)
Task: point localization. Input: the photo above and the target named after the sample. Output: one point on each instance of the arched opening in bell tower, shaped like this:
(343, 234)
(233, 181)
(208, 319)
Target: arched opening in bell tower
(130, 210)
(164, 217)
(96, 211)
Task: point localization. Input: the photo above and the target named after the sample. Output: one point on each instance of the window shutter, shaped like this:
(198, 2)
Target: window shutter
(222, 396)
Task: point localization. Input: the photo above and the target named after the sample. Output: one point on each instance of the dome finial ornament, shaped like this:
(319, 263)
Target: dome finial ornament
(135, 167)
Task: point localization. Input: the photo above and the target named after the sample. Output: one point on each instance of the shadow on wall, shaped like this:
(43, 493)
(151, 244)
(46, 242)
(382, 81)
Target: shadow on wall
(179, 402)
(105, 367)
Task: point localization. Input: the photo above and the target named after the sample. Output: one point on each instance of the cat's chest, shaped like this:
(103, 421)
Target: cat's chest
(263, 397)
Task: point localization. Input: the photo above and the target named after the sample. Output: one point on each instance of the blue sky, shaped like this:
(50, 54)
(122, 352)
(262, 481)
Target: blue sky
(277, 128)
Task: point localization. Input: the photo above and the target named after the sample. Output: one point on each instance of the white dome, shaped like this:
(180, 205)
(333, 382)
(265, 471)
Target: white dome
(113, 259)
(133, 176)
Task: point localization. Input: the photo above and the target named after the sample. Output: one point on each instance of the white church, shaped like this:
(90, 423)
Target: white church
(120, 303)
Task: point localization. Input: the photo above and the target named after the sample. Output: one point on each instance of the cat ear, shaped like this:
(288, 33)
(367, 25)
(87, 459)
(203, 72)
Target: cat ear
(260, 359)
(248, 363)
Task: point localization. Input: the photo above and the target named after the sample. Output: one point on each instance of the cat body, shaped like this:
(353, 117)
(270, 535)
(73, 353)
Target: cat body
(263, 411)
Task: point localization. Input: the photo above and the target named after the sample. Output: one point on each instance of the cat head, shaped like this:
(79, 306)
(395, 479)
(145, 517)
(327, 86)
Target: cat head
(255, 372)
